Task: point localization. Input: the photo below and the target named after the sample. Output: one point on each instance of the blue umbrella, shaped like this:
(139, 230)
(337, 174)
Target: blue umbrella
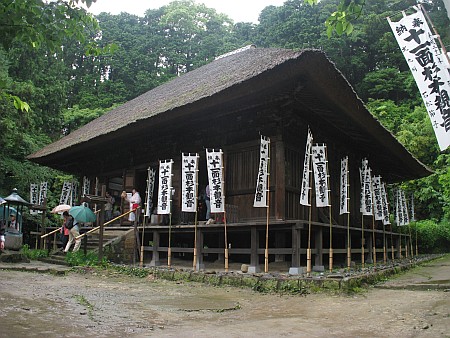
(82, 214)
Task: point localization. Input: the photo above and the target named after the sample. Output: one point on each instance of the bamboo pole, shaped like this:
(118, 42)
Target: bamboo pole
(362, 240)
(226, 241)
(400, 240)
(349, 249)
(374, 248)
(266, 251)
(330, 253)
(410, 241)
(392, 244)
(417, 248)
(169, 249)
(384, 245)
(308, 251)
(141, 262)
(194, 261)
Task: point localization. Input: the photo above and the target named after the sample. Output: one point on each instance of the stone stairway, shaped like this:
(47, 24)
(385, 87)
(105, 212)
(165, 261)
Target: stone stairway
(91, 244)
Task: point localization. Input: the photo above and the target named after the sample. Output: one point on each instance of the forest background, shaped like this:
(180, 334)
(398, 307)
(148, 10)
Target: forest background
(70, 68)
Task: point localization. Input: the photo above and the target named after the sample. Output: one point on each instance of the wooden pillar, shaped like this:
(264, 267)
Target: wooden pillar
(398, 246)
(200, 237)
(369, 258)
(296, 246)
(280, 180)
(254, 246)
(155, 253)
(280, 239)
(318, 262)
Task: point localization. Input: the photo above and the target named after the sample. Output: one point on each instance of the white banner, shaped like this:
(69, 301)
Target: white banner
(398, 208)
(404, 209)
(429, 69)
(42, 194)
(368, 193)
(320, 166)
(66, 192)
(189, 187)
(34, 197)
(151, 176)
(165, 187)
(378, 198)
(385, 203)
(362, 172)
(260, 200)
(344, 197)
(306, 186)
(214, 162)
(86, 188)
(413, 214)
(74, 194)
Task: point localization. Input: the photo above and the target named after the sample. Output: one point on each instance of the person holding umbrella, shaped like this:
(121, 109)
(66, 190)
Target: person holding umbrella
(74, 232)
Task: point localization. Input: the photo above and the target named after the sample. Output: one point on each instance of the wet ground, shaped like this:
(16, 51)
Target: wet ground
(34, 304)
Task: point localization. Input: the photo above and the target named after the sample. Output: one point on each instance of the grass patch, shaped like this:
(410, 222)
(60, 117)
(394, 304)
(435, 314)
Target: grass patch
(33, 253)
(90, 259)
(84, 302)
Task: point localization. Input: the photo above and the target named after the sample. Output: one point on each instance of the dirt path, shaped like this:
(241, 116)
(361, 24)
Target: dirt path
(100, 305)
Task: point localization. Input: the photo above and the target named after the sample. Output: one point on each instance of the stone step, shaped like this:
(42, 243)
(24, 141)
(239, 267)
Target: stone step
(59, 260)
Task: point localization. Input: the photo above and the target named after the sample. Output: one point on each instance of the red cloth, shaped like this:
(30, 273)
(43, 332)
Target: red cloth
(135, 206)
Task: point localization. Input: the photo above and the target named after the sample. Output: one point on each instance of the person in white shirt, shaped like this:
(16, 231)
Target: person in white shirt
(135, 201)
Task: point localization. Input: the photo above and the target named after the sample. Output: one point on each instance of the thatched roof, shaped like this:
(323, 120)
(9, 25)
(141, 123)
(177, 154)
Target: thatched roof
(238, 76)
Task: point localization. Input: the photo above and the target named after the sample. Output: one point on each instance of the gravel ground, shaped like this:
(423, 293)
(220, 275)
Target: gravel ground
(108, 304)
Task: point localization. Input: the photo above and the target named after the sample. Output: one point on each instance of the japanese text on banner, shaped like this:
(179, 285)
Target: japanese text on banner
(320, 165)
(429, 68)
(214, 162)
(165, 187)
(189, 170)
(263, 173)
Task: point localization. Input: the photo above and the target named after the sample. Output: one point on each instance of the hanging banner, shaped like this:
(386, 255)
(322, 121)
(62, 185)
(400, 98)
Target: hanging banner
(65, 192)
(151, 176)
(429, 69)
(344, 197)
(189, 174)
(404, 208)
(86, 188)
(378, 198)
(74, 193)
(214, 162)
(398, 208)
(42, 194)
(413, 215)
(320, 166)
(165, 187)
(34, 197)
(306, 187)
(384, 201)
(260, 200)
(368, 193)
(362, 172)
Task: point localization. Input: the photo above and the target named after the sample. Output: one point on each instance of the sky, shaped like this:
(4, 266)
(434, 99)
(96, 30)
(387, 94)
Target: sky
(238, 10)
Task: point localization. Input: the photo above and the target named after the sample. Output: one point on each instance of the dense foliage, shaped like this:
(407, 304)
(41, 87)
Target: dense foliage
(50, 59)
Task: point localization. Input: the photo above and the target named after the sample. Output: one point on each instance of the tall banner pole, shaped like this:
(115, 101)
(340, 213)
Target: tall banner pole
(330, 253)
(189, 192)
(306, 195)
(165, 199)
(321, 182)
(362, 240)
(266, 251)
(214, 162)
(392, 244)
(344, 205)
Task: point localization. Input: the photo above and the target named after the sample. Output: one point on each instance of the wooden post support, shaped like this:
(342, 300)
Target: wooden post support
(349, 244)
(374, 246)
(384, 245)
(362, 241)
(226, 241)
(169, 250)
